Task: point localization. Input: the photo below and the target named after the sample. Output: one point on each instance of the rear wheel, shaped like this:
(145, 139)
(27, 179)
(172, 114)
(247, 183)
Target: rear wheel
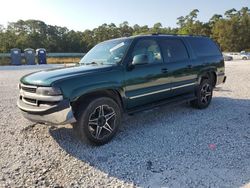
(99, 120)
(244, 58)
(204, 93)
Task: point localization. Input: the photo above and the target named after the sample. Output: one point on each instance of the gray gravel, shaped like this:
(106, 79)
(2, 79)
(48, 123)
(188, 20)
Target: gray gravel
(168, 146)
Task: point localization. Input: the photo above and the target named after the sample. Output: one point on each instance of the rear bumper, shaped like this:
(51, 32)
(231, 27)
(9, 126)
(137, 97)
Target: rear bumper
(58, 114)
(221, 78)
(224, 80)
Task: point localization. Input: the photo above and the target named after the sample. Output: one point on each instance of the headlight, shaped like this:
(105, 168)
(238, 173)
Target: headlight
(49, 91)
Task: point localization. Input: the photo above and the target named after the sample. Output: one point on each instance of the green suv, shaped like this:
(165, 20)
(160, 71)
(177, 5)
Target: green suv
(123, 75)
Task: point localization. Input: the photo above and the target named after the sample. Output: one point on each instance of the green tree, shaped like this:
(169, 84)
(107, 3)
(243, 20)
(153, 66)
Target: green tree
(215, 18)
(157, 28)
(230, 13)
(125, 29)
(231, 31)
(190, 25)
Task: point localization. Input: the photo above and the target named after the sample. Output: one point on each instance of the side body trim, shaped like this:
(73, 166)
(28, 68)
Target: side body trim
(160, 91)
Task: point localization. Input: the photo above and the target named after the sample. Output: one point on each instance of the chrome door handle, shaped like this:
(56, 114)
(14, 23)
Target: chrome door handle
(164, 70)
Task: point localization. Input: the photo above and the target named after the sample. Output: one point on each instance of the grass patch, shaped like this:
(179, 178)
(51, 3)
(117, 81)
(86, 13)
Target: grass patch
(50, 60)
(62, 60)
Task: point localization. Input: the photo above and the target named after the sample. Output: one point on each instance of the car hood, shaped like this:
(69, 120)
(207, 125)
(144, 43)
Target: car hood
(47, 77)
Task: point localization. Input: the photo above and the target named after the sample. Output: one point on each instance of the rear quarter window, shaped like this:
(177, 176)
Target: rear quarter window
(203, 46)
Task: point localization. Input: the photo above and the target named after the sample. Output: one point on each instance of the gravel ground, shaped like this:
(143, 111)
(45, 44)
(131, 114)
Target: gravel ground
(167, 146)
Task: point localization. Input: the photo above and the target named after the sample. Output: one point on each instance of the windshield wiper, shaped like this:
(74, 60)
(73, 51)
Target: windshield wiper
(94, 63)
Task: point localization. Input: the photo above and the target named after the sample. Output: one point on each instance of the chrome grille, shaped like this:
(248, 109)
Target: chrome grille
(28, 88)
(29, 96)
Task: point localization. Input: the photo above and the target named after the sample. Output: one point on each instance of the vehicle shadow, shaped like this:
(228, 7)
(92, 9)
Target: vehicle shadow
(174, 146)
(220, 89)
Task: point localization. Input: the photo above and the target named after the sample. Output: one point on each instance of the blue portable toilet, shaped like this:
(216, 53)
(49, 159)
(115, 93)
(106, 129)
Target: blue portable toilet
(41, 56)
(29, 55)
(16, 56)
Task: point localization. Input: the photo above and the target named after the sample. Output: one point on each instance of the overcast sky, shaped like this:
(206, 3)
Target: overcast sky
(87, 14)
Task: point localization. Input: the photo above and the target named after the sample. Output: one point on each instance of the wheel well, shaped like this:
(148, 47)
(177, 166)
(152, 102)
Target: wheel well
(87, 98)
(209, 75)
(213, 78)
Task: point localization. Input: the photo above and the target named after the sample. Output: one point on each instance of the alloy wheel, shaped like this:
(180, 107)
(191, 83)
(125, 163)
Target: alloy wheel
(206, 93)
(102, 122)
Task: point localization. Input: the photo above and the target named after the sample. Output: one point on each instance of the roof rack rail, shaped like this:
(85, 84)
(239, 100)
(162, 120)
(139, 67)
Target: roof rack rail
(173, 34)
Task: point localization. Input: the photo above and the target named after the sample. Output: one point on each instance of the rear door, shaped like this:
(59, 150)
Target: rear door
(179, 64)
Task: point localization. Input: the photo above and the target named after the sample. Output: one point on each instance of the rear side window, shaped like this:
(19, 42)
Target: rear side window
(174, 50)
(203, 46)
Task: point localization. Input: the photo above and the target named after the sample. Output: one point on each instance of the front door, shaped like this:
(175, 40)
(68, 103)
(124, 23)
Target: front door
(148, 82)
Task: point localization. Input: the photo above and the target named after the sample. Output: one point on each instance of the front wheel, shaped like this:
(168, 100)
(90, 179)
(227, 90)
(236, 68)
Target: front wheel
(99, 120)
(244, 58)
(204, 93)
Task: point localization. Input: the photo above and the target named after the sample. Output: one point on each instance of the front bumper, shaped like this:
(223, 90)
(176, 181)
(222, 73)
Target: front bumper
(58, 114)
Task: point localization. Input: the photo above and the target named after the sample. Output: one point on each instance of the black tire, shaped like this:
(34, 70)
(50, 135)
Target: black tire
(99, 120)
(204, 94)
(75, 128)
(244, 58)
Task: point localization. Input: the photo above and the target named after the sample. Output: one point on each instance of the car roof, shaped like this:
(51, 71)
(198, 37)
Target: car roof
(162, 35)
(158, 36)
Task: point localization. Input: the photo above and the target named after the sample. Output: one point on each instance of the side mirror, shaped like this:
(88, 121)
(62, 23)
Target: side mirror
(140, 59)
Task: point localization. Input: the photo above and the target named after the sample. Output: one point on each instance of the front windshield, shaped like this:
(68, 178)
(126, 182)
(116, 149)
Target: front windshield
(109, 52)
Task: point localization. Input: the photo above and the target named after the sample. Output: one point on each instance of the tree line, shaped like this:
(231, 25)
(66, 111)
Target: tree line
(231, 31)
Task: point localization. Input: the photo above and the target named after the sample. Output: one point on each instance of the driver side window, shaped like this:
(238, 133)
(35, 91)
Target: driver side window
(150, 48)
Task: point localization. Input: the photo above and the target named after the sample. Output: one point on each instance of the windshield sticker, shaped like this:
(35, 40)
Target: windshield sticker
(117, 46)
